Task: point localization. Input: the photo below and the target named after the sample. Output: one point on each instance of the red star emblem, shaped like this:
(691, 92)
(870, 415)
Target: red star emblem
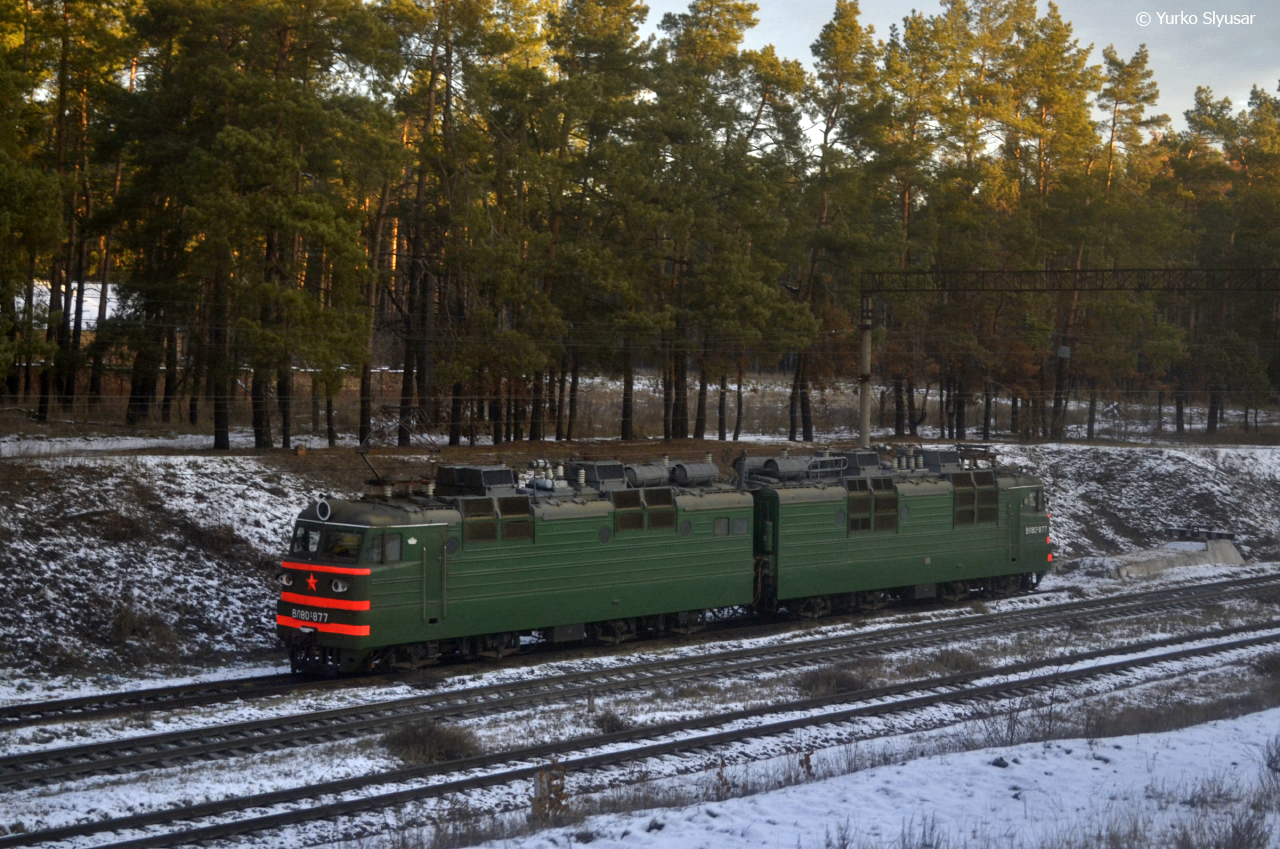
(311, 582)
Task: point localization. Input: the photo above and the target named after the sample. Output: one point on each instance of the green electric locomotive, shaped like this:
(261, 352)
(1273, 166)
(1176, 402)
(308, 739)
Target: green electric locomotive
(470, 562)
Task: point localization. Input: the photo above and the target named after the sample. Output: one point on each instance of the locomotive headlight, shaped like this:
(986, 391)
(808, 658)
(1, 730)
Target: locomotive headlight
(340, 586)
(285, 579)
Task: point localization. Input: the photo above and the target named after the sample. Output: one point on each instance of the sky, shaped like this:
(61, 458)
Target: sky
(1230, 59)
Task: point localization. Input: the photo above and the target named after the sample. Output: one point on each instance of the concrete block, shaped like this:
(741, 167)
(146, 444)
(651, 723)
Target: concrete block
(1214, 552)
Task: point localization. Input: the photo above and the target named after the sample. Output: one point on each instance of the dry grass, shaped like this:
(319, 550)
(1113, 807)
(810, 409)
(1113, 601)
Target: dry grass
(831, 680)
(942, 662)
(608, 722)
(428, 742)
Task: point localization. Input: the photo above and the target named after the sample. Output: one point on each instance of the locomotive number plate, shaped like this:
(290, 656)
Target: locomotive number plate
(310, 615)
(1037, 530)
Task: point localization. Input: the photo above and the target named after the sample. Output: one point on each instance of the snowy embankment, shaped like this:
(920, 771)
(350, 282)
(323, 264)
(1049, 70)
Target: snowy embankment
(1109, 500)
(140, 559)
(124, 561)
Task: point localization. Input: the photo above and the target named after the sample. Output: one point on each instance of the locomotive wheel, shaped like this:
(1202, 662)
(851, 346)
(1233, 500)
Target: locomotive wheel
(690, 622)
(1003, 586)
(613, 631)
(814, 607)
(953, 590)
(498, 646)
(870, 600)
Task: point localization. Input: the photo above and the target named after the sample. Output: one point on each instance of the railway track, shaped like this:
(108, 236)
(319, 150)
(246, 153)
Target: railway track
(156, 698)
(607, 750)
(256, 736)
(100, 706)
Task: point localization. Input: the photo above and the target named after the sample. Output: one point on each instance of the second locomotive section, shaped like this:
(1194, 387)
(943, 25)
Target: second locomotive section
(470, 562)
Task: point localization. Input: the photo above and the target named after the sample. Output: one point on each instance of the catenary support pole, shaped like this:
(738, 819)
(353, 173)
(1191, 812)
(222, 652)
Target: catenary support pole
(864, 380)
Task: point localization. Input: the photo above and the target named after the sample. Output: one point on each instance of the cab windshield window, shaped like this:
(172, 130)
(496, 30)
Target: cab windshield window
(306, 540)
(342, 545)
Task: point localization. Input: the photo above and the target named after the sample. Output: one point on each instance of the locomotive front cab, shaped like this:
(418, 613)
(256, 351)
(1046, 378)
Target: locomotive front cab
(360, 576)
(322, 615)
(1031, 541)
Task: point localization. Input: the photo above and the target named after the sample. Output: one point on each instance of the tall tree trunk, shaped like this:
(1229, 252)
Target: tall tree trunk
(77, 328)
(806, 411)
(948, 409)
(219, 376)
(330, 429)
(1013, 415)
(50, 337)
(680, 407)
(365, 428)
(700, 416)
(406, 391)
(1179, 399)
(986, 411)
(793, 407)
(668, 397)
(722, 404)
(959, 400)
(628, 428)
(146, 363)
(899, 407)
(737, 411)
(196, 372)
(475, 412)
(1059, 419)
(496, 410)
(573, 401)
(28, 321)
(1215, 410)
(284, 398)
(455, 416)
(1093, 412)
(517, 417)
(913, 421)
(170, 372)
(261, 409)
(315, 405)
(1160, 411)
(536, 414)
(560, 393)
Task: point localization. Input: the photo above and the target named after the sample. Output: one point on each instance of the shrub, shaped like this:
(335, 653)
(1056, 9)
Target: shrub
(608, 722)
(427, 742)
(829, 680)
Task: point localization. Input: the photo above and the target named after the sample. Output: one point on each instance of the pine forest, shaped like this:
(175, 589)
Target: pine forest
(460, 217)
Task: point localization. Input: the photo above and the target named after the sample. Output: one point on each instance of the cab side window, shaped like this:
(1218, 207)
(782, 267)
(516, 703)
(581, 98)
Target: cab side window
(384, 549)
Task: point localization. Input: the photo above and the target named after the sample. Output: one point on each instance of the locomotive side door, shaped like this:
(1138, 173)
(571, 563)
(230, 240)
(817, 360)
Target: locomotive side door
(434, 568)
(1015, 525)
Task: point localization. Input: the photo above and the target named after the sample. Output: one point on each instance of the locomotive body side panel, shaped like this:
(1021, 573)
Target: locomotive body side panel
(931, 535)
(582, 567)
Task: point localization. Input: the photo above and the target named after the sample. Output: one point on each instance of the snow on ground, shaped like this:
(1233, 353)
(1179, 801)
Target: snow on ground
(141, 558)
(1018, 796)
(1106, 500)
(123, 562)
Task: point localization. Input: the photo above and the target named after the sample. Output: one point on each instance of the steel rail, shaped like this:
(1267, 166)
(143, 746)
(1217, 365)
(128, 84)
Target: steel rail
(254, 736)
(955, 688)
(101, 705)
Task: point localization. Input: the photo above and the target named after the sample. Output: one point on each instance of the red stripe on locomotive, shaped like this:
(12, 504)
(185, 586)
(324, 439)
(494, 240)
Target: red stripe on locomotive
(337, 570)
(326, 627)
(317, 601)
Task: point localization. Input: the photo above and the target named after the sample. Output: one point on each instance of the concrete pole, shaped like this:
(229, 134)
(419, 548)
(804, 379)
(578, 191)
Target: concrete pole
(864, 380)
